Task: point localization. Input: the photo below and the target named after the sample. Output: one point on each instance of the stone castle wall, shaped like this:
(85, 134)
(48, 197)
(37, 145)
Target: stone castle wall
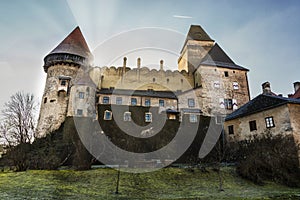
(141, 79)
(55, 99)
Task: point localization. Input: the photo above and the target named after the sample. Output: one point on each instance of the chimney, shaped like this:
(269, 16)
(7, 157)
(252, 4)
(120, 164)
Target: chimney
(124, 62)
(161, 65)
(266, 87)
(296, 86)
(139, 63)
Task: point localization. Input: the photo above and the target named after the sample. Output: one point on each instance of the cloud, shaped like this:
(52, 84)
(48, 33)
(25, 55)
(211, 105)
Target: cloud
(182, 16)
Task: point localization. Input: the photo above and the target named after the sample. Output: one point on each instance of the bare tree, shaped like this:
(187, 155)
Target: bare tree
(18, 122)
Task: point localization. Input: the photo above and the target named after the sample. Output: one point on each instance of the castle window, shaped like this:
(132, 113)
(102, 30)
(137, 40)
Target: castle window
(45, 100)
(193, 118)
(153, 80)
(191, 103)
(252, 125)
(181, 81)
(79, 112)
(168, 80)
(226, 74)
(269, 122)
(63, 82)
(127, 116)
(148, 117)
(105, 100)
(107, 115)
(52, 100)
(230, 130)
(147, 102)
(119, 100)
(235, 85)
(133, 101)
(161, 103)
(217, 84)
(81, 95)
(228, 104)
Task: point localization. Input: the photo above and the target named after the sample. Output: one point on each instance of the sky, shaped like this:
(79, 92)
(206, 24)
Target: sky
(261, 35)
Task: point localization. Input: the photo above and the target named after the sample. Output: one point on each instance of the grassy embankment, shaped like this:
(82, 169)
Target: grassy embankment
(169, 183)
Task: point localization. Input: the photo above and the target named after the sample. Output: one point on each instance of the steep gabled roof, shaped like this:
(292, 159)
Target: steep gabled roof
(196, 32)
(74, 43)
(260, 103)
(217, 57)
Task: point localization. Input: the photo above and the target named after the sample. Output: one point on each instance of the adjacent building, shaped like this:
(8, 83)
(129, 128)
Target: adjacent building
(267, 113)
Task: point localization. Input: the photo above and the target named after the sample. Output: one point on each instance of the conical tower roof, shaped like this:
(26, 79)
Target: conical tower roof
(72, 50)
(74, 43)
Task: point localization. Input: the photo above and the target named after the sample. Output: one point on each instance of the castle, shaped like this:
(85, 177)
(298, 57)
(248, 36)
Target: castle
(207, 82)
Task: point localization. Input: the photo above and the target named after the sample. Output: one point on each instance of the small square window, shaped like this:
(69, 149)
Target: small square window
(226, 74)
(133, 101)
(119, 100)
(235, 85)
(81, 95)
(127, 116)
(161, 103)
(63, 83)
(148, 117)
(193, 118)
(228, 104)
(252, 125)
(216, 84)
(269, 122)
(79, 112)
(191, 103)
(147, 102)
(105, 100)
(107, 115)
(230, 130)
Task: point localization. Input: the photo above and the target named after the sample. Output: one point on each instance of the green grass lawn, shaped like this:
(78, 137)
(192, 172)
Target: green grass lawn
(168, 183)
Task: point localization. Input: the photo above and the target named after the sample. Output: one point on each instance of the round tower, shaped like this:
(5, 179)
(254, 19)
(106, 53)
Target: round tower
(61, 66)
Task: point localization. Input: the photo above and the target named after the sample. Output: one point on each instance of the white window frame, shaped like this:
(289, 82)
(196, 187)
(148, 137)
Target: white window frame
(127, 116)
(146, 118)
(216, 84)
(269, 122)
(161, 103)
(235, 85)
(110, 116)
(105, 99)
(191, 102)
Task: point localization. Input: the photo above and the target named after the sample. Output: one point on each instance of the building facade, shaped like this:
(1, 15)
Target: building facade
(207, 82)
(267, 113)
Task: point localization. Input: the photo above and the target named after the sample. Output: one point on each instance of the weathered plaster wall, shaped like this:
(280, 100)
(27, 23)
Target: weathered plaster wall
(142, 79)
(241, 126)
(54, 104)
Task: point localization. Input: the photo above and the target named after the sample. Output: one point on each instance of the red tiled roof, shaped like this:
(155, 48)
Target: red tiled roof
(296, 95)
(74, 43)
